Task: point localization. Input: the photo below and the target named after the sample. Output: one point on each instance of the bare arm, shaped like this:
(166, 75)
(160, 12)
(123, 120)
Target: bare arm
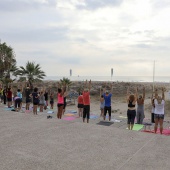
(127, 95)
(163, 94)
(104, 89)
(144, 93)
(65, 91)
(136, 94)
(89, 85)
(156, 93)
(111, 87)
(100, 91)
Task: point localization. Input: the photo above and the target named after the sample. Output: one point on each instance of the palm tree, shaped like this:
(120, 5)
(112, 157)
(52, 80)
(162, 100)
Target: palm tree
(65, 82)
(32, 73)
(7, 63)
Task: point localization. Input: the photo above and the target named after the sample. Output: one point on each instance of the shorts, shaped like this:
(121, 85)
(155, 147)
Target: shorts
(59, 104)
(9, 99)
(106, 108)
(158, 116)
(17, 103)
(86, 111)
(35, 103)
(51, 102)
(80, 105)
(131, 116)
(28, 100)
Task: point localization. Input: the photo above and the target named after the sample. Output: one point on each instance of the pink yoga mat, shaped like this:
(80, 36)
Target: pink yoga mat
(69, 114)
(69, 118)
(165, 132)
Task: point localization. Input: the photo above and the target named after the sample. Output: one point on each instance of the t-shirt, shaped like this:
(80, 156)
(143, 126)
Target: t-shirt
(107, 99)
(9, 94)
(27, 93)
(35, 95)
(19, 94)
(159, 108)
(86, 98)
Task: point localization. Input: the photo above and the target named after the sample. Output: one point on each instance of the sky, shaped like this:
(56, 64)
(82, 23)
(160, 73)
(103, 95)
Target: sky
(89, 36)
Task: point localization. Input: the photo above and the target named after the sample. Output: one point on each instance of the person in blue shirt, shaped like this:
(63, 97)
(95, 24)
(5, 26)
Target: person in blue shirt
(107, 107)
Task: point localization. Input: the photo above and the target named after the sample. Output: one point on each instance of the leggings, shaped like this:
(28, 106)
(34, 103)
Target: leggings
(131, 116)
(140, 114)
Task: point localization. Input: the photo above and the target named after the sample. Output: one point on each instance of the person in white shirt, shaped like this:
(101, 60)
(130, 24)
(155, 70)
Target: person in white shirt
(159, 103)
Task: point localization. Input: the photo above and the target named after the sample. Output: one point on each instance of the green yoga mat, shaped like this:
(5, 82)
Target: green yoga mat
(137, 127)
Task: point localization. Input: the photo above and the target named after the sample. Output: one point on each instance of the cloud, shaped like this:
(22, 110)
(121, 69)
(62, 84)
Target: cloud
(39, 35)
(95, 4)
(25, 5)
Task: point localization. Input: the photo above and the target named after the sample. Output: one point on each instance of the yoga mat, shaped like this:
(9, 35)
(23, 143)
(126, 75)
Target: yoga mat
(27, 111)
(50, 112)
(123, 117)
(71, 111)
(115, 120)
(165, 131)
(69, 114)
(8, 109)
(137, 127)
(69, 118)
(93, 116)
(30, 109)
(104, 123)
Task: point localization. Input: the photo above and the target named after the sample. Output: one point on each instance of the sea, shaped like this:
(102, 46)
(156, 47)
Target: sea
(112, 78)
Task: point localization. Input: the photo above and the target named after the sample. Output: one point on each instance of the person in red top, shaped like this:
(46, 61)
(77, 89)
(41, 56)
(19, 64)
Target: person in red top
(86, 101)
(9, 97)
(80, 105)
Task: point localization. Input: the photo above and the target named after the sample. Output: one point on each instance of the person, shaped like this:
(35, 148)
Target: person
(51, 100)
(153, 109)
(9, 97)
(46, 97)
(35, 97)
(19, 94)
(65, 98)
(107, 106)
(17, 101)
(86, 102)
(28, 98)
(131, 112)
(140, 107)
(60, 102)
(102, 104)
(159, 111)
(80, 104)
(42, 101)
(4, 94)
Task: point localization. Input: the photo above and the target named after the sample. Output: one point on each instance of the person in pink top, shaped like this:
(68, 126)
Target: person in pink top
(60, 103)
(86, 102)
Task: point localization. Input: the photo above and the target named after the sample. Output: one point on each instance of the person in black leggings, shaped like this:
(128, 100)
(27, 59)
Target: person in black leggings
(131, 112)
(5, 94)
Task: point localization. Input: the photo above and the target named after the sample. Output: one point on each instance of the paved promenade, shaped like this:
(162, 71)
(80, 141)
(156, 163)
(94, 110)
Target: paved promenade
(29, 142)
